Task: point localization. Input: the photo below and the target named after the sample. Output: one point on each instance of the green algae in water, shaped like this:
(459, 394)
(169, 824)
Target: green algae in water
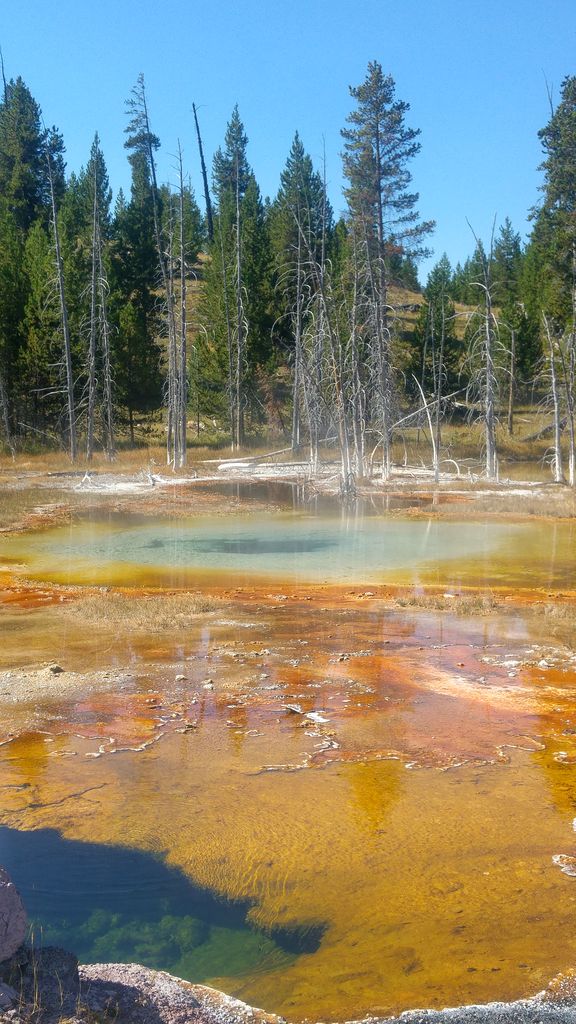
(186, 946)
(118, 905)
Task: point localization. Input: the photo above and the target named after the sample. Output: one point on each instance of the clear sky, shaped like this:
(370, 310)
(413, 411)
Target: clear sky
(475, 73)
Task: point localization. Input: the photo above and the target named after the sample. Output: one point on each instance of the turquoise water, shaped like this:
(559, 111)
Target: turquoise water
(290, 547)
(136, 550)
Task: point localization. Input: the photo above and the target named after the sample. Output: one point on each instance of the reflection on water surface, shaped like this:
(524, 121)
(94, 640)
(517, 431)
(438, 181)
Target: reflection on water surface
(173, 552)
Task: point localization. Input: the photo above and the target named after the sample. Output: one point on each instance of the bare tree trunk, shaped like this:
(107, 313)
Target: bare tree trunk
(93, 324)
(171, 388)
(383, 327)
(439, 380)
(297, 352)
(571, 381)
(358, 394)
(490, 387)
(6, 416)
(231, 390)
(570, 410)
(207, 199)
(567, 361)
(435, 458)
(239, 321)
(558, 472)
(381, 356)
(108, 408)
(72, 442)
(512, 382)
(183, 374)
(166, 270)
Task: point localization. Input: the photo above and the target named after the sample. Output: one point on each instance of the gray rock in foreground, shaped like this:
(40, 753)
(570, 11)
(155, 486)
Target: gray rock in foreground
(138, 995)
(525, 1011)
(13, 918)
(52, 988)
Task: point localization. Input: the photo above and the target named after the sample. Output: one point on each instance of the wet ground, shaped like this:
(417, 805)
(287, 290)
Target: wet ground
(328, 798)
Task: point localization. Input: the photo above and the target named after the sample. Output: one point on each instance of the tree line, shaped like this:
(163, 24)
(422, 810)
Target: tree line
(273, 315)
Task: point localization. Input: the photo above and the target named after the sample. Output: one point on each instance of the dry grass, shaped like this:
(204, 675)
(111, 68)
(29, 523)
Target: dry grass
(557, 612)
(472, 604)
(150, 613)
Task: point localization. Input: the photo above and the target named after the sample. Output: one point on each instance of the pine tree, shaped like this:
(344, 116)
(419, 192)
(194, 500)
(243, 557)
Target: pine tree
(13, 288)
(237, 301)
(378, 147)
(553, 245)
(23, 173)
(301, 226)
(231, 171)
(438, 352)
(133, 281)
(518, 330)
(38, 365)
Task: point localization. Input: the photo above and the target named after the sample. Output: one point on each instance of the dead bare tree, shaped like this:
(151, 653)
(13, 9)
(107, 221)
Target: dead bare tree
(169, 305)
(440, 378)
(555, 394)
(93, 322)
(207, 199)
(6, 416)
(240, 325)
(482, 359)
(177, 377)
(142, 140)
(229, 336)
(107, 405)
(65, 327)
(570, 378)
(511, 382)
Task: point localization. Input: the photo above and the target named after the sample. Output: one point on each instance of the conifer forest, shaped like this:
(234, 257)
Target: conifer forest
(232, 319)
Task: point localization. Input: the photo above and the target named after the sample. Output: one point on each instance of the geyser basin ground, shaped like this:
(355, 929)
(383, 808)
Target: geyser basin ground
(386, 795)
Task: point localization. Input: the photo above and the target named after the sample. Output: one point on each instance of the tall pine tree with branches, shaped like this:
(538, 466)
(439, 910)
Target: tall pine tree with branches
(378, 148)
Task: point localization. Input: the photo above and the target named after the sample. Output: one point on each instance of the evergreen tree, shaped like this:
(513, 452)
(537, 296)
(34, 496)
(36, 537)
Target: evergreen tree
(300, 209)
(554, 244)
(378, 147)
(133, 280)
(23, 171)
(194, 227)
(231, 171)
(237, 301)
(40, 357)
(519, 331)
(301, 227)
(435, 334)
(13, 290)
(553, 240)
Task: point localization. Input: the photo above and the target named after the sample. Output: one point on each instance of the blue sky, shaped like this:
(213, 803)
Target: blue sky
(475, 73)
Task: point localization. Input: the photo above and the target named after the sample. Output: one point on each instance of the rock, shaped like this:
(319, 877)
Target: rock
(43, 979)
(139, 995)
(13, 918)
(8, 996)
(55, 669)
(566, 863)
